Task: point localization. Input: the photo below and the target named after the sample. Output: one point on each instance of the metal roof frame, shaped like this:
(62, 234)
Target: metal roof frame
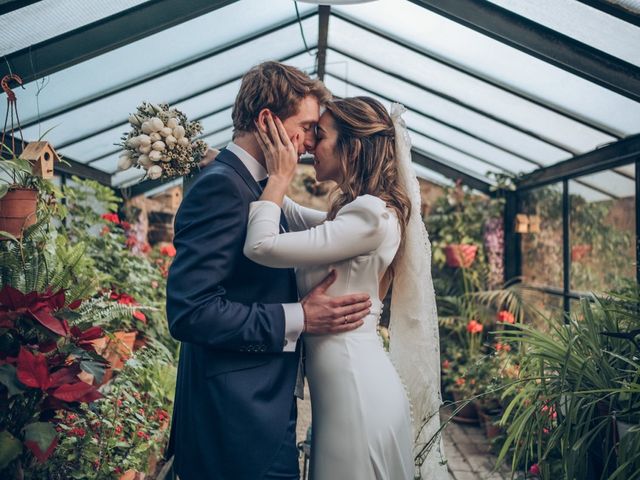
(99, 37)
(542, 42)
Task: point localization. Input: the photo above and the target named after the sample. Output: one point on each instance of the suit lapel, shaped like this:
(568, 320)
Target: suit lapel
(229, 158)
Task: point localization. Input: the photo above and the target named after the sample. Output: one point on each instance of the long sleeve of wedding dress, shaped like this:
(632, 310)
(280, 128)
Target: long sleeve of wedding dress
(301, 218)
(351, 378)
(358, 228)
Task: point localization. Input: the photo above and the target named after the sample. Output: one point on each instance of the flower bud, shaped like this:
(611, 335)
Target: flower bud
(144, 149)
(172, 123)
(155, 137)
(124, 162)
(179, 132)
(156, 123)
(144, 160)
(155, 155)
(154, 172)
(160, 146)
(166, 131)
(147, 127)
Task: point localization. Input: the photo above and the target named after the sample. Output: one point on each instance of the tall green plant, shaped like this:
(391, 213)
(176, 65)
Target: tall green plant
(579, 381)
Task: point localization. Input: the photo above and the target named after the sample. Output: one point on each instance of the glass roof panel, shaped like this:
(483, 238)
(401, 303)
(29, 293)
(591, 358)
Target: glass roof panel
(583, 23)
(43, 20)
(587, 193)
(628, 169)
(440, 108)
(464, 88)
(447, 135)
(158, 52)
(115, 109)
(492, 59)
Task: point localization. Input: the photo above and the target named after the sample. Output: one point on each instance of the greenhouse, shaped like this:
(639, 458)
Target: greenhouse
(524, 121)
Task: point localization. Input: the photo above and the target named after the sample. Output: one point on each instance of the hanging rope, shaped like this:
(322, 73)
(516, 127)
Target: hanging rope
(11, 110)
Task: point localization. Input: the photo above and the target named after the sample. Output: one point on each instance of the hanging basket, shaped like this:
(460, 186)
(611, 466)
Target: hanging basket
(460, 255)
(18, 211)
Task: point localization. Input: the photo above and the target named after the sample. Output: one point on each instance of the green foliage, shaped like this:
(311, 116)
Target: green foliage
(122, 430)
(579, 380)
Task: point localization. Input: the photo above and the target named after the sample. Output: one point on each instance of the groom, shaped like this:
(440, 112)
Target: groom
(240, 322)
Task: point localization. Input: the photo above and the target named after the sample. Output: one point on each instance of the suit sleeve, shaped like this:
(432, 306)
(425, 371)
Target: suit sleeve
(210, 227)
(359, 228)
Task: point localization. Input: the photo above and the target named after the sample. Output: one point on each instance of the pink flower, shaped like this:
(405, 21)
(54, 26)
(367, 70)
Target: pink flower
(534, 469)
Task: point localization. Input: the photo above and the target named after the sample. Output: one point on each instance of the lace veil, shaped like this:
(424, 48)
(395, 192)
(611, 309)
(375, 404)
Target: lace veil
(414, 347)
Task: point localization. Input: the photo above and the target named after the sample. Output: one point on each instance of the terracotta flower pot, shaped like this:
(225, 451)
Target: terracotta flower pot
(18, 210)
(488, 421)
(460, 255)
(468, 414)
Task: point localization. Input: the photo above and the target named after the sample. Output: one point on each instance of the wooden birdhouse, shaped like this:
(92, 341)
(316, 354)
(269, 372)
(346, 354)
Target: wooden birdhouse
(522, 223)
(534, 223)
(42, 156)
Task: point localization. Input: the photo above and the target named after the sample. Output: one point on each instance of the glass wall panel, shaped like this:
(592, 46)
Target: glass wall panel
(541, 227)
(602, 234)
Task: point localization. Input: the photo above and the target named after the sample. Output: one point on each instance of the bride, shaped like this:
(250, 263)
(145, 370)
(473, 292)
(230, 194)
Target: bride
(373, 238)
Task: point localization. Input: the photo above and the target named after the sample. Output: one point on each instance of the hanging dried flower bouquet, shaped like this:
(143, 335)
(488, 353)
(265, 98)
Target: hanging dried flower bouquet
(162, 141)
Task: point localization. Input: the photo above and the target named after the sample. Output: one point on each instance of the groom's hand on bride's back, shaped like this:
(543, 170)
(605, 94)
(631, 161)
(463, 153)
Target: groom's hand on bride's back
(324, 314)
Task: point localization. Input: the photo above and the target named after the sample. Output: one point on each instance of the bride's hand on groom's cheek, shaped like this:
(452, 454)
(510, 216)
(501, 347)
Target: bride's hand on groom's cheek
(281, 153)
(324, 314)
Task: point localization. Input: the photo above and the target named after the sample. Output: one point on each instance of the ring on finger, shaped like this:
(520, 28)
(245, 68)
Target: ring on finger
(346, 319)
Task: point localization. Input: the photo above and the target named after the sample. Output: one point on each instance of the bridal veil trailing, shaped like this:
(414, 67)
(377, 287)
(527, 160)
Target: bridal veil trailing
(414, 347)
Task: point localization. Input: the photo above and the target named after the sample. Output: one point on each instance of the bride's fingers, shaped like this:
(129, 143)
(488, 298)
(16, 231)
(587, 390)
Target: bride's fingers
(273, 132)
(284, 138)
(263, 139)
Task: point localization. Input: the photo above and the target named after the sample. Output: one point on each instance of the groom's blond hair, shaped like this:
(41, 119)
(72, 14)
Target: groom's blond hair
(275, 86)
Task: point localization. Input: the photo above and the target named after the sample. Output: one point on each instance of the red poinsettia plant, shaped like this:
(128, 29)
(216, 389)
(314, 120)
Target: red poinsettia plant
(42, 359)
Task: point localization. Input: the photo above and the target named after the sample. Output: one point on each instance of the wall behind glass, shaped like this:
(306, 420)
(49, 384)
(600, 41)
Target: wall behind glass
(602, 230)
(542, 251)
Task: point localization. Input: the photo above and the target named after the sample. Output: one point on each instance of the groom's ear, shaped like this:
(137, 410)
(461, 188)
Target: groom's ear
(262, 118)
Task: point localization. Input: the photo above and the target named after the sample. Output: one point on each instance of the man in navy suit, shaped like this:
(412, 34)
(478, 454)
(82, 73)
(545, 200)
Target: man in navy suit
(240, 322)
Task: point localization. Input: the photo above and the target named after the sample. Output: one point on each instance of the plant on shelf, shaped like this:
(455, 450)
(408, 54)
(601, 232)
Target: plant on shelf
(576, 412)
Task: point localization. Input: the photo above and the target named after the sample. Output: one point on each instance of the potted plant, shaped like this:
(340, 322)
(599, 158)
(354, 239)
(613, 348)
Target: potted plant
(579, 379)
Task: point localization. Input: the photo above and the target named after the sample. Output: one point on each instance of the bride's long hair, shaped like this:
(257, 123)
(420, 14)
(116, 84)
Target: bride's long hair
(366, 149)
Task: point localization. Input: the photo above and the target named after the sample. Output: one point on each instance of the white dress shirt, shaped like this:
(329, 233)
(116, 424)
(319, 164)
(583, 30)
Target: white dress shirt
(293, 313)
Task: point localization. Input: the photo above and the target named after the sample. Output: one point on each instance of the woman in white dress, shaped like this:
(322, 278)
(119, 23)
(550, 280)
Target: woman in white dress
(362, 424)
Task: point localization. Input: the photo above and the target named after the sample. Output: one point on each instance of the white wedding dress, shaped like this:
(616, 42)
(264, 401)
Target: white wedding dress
(362, 426)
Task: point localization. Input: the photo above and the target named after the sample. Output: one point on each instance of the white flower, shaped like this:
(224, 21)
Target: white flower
(165, 131)
(183, 141)
(144, 149)
(144, 140)
(166, 158)
(160, 146)
(154, 172)
(147, 127)
(133, 142)
(171, 140)
(156, 123)
(155, 137)
(155, 155)
(124, 162)
(172, 123)
(179, 132)
(134, 120)
(144, 160)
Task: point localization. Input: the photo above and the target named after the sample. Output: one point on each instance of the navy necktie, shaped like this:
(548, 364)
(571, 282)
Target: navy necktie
(263, 182)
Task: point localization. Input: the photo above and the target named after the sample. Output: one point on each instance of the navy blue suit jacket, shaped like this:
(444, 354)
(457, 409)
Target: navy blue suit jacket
(235, 385)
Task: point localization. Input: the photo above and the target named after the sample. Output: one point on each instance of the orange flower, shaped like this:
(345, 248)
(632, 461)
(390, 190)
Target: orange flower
(505, 347)
(506, 317)
(168, 250)
(460, 381)
(474, 327)
(446, 364)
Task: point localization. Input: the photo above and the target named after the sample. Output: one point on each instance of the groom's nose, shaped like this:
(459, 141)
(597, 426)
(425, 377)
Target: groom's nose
(309, 143)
